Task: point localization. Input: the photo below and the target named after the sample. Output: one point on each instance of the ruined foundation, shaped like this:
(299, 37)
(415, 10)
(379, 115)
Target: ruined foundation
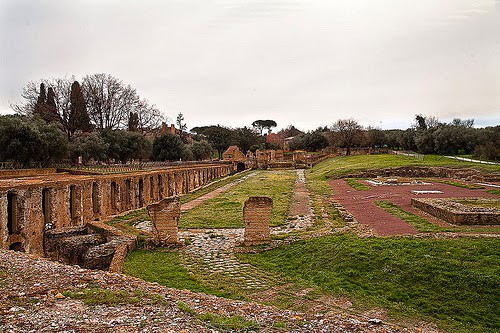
(256, 215)
(461, 211)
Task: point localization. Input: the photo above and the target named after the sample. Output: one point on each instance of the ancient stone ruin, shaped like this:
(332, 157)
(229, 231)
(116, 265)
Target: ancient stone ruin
(50, 213)
(256, 215)
(165, 221)
(461, 211)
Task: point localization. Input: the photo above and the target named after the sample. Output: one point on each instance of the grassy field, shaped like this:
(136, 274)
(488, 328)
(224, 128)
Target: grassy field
(454, 282)
(166, 269)
(226, 210)
(340, 166)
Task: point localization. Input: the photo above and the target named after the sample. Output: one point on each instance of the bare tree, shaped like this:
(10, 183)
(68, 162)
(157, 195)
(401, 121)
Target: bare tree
(110, 103)
(348, 131)
(149, 115)
(109, 100)
(33, 90)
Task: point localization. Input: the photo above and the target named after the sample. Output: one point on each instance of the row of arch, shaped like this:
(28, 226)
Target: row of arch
(82, 200)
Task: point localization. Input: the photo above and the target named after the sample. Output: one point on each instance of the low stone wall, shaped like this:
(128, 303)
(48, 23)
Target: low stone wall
(427, 172)
(449, 210)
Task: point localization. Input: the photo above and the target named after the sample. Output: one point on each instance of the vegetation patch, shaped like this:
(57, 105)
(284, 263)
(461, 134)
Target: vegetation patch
(454, 282)
(341, 166)
(321, 192)
(226, 210)
(165, 268)
(458, 184)
(223, 323)
(497, 192)
(418, 222)
(356, 184)
(479, 202)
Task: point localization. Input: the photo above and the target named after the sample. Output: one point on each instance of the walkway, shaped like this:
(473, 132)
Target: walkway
(471, 160)
(361, 203)
(212, 250)
(198, 201)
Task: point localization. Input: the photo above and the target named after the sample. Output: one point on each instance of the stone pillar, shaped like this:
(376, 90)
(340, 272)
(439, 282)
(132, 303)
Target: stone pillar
(256, 215)
(165, 220)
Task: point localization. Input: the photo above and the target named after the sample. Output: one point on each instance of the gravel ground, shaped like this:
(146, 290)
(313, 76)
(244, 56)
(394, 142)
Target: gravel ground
(32, 300)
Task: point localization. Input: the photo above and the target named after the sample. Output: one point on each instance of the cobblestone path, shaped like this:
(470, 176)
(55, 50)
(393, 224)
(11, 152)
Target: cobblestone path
(301, 214)
(212, 250)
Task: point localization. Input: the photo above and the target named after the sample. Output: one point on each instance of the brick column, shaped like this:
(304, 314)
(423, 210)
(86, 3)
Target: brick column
(165, 220)
(256, 215)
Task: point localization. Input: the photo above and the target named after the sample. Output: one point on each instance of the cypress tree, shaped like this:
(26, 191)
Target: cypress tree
(78, 117)
(39, 108)
(50, 113)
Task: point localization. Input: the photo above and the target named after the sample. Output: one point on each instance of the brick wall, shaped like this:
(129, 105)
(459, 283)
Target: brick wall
(75, 200)
(165, 221)
(256, 215)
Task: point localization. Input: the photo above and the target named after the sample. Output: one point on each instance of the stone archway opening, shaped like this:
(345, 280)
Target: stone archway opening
(16, 247)
(240, 167)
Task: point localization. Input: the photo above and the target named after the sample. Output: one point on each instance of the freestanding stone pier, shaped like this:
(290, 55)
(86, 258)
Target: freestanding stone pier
(256, 215)
(165, 221)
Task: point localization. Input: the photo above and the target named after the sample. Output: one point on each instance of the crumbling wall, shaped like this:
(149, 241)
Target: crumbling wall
(449, 210)
(256, 216)
(76, 200)
(165, 221)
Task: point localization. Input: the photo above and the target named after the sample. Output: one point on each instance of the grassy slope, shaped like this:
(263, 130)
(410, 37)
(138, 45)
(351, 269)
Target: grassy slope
(343, 165)
(453, 281)
(226, 210)
(166, 269)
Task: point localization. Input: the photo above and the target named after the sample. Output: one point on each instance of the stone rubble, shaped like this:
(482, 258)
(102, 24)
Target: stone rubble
(31, 290)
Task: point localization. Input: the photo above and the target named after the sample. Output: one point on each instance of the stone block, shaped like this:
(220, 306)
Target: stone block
(165, 221)
(256, 215)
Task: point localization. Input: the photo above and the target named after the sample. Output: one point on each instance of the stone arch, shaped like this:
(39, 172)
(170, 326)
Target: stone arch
(141, 190)
(72, 203)
(240, 166)
(95, 199)
(128, 194)
(17, 246)
(160, 187)
(113, 196)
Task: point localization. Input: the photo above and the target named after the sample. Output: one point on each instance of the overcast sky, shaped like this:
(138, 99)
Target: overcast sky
(230, 62)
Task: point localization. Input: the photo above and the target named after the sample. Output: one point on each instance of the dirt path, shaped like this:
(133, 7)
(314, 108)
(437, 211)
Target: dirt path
(198, 201)
(361, 203)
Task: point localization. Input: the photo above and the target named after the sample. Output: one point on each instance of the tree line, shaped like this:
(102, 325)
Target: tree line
(105, 120)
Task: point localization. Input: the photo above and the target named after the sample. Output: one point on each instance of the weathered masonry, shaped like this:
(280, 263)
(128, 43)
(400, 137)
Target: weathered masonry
(30, 206)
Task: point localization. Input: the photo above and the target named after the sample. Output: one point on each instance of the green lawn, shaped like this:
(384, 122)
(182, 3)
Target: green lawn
(340, 166)
(226, 210)
(454, 282)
